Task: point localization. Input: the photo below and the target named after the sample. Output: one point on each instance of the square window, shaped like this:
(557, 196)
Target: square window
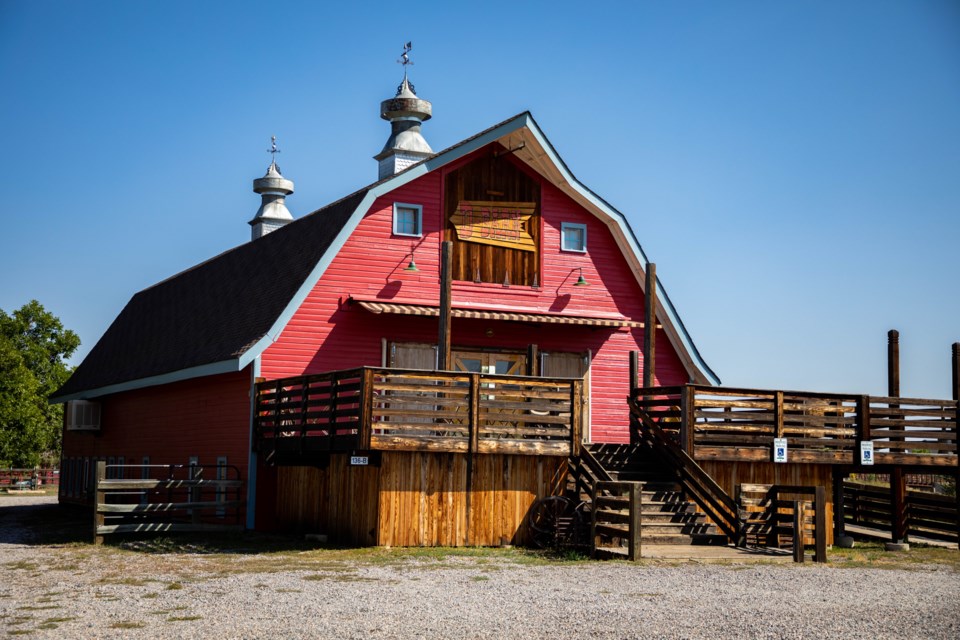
(573, 237)
(407, 219)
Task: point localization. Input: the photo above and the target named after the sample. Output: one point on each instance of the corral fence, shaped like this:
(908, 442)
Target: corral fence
(928, 515)
(784, 516)
(169, 498)
(35, 478)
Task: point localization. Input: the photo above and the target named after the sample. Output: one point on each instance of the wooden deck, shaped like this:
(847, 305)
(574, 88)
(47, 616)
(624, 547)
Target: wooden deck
(740, 425)
(380, 409)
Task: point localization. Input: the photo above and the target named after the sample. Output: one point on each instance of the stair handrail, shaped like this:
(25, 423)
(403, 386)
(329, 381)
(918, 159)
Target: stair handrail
(704, 490)
(585, 464)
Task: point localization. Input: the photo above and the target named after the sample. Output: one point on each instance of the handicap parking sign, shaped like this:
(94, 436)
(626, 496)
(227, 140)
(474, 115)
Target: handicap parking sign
(779, 449)
(866, 452)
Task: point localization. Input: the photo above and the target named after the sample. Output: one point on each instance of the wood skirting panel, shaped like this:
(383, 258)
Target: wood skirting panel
(418, 498)
(729, 474)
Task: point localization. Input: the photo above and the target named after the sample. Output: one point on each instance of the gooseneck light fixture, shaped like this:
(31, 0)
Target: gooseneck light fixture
(581, 281)
(412, 266)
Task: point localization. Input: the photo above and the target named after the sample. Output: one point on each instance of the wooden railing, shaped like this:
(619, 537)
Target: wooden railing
(411, 410)
(719, 506)
(782, 516)
(615, 514)
(928, 515)
(166, 499)
(720, 423)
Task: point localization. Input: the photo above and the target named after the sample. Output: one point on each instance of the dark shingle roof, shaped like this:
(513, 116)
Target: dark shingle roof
(214, 311)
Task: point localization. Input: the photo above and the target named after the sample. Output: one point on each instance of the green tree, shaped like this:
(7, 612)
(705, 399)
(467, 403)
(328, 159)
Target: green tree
(34, 347)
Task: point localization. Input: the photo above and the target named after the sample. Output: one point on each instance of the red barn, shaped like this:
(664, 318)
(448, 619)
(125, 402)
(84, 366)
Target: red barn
(546, 282)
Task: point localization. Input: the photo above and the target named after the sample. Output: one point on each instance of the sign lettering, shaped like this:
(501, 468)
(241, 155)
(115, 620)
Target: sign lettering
(779, 449)
(502, 224)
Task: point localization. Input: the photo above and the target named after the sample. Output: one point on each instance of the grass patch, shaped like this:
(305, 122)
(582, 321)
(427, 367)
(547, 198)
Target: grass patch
(340, 577)
(53, 623)
(184, 618)
(289, 590)
(128, 625)
(480, 578)
(872, 555)
(40, 608)
(152, 594)
(21, 565)
(130, 582)
(175, 586)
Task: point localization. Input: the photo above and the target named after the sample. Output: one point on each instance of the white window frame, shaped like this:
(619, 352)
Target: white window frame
(419, 212)
(564, 227)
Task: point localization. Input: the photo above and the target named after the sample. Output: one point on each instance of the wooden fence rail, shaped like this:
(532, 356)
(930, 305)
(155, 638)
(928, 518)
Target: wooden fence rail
(29, 478)
(412, 410)
(928, 515)
(178, 498)
(616, 513)
(722, 423)
(782, 516)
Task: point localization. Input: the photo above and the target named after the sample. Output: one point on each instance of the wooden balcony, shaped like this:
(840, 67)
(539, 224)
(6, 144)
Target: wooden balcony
(377, 409)
(727, 424)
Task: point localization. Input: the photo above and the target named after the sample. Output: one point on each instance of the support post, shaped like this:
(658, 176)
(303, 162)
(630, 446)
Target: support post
(893, 363)
(446, 292)
(956, 371)
(839, 509)
(366, 409)
(650, 327)
(634, 370)
(798, 555)
(898, 506)
(820, 523)
(99, 497)
(688, 409)
(533, 360)
(635, 522)
(576, 416)
(956, 423)
(778, 414)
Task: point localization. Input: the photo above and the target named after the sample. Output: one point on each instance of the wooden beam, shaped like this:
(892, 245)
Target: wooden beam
(634, 543)
(446, 292)
(956, 373)
(533, 360)
(839, 524)
(99, 497)
(650, 327)
(893, 363)
(634, 370)
(898, 506)
(820, 523)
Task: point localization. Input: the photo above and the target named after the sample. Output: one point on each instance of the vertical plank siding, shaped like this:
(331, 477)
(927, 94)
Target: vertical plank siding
(418, 498)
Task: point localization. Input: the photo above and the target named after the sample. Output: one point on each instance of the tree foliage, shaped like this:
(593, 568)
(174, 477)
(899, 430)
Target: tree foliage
(34, 347)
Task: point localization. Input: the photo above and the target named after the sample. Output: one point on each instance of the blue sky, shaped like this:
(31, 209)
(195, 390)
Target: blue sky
(792, 168)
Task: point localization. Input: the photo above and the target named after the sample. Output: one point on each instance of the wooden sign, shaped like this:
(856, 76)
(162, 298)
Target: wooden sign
(502, 224)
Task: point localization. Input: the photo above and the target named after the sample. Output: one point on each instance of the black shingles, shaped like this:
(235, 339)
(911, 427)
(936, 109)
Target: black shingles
(214, 311)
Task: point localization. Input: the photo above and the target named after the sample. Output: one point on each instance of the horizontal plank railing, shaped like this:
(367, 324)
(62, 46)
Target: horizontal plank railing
(616, 516)
(783, 516)
(929, 515)
(166, 499)
(415, 410)
(722, 423)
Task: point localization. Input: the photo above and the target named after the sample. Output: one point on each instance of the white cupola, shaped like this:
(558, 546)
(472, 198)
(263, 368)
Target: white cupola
(273, 189)
(405, 112)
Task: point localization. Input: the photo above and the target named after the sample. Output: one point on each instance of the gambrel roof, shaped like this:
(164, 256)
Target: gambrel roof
(220, 315)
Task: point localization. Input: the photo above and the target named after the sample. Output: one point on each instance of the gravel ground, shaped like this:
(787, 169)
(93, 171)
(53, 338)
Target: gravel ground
(77, 591)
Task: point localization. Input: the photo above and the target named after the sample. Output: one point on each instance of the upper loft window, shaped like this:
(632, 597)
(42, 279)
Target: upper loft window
(573, 237)
(83, 415)
(407, 220)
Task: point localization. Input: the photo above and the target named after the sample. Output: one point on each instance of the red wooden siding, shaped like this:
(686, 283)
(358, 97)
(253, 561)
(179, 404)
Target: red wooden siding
(326, 334)
(204, 417)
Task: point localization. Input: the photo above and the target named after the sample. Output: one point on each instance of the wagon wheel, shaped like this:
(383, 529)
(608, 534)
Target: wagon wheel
(554, 521)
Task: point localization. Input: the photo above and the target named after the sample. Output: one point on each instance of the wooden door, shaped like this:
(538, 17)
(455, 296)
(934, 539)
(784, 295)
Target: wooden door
(555, 364)
(501, 364)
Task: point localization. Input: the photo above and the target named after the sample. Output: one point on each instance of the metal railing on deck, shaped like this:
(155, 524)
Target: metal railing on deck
(413, 410)
(720, 423)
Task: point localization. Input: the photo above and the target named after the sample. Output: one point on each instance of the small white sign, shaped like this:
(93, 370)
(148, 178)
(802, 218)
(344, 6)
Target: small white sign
(359, 461)
(866, 452)
(779, 449)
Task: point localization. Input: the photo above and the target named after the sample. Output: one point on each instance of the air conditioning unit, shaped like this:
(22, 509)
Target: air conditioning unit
(83, 415)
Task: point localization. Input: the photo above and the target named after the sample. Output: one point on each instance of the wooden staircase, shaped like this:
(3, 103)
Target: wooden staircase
(666, 515)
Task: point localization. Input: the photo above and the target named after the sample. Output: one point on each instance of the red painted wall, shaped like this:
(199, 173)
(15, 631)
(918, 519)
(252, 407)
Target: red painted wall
(204, 417)
(327, 334)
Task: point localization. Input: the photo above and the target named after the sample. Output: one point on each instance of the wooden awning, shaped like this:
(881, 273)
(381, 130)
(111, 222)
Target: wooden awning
(488, 314)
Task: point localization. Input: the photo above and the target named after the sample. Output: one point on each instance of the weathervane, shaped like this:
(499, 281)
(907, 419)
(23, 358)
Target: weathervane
(273, 150)
(406, 61)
